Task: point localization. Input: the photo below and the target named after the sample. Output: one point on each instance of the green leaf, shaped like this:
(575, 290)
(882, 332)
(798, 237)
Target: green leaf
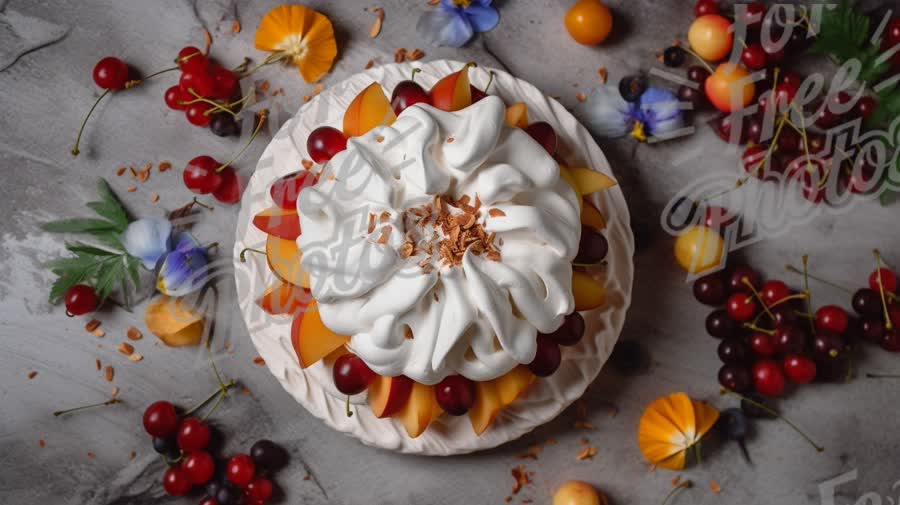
(79, 225)
(110, 275)
(133, 264)
(842, 32)
(111, 240)
(888, 107)
(109, 207)
(85, 249)
(71, 271)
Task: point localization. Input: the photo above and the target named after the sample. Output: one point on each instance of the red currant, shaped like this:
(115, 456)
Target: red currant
(240, 470)
(768, 379)
(176, 482)
(200, 175)
(888, 280)
(741, 307)
(324, 142)
(196, 114)
(754, 57)
(160, 419)
(799, 369)
(762, 345)
(193, 435)
(832, 318)
(455, 394)
(111, 73)
(408, 93)
(201, 83)
(199, 467)
(176, 98)
(704, 7)
(544, 134)
(191, 59)
(259, 490)
(774, 291)
(229, 192)
(351, 374)
(286, 190)
(81, 299)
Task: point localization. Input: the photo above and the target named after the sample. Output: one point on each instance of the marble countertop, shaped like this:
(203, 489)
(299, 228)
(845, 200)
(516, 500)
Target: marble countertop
(47, 51)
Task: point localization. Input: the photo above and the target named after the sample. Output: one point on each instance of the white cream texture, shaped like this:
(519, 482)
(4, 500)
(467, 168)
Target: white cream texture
(479, 319)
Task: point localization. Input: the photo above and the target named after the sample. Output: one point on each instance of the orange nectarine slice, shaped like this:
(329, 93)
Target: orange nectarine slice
(387, 395)
(513, 383)
(369, 109)
(592, 217)
(590, 181)
(312, 339)
(589, 293)
(279, 222)
(452, 93)
(487, 405)
(419, 410)
(517, 115)
(284, 298)
(284, 259)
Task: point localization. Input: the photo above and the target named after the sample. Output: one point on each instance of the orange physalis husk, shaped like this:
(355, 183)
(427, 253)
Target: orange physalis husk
(670, 426)
(301, 34)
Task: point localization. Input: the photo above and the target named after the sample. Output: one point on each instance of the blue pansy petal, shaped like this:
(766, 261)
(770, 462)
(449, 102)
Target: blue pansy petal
(444, 27)
(184, 241)
(182, 272)
(660, 111)
(148, 239)
(481, 3)
(483, 19)
(605, 114)
(448, 4)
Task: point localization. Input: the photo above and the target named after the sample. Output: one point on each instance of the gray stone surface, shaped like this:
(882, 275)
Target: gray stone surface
(49, 48)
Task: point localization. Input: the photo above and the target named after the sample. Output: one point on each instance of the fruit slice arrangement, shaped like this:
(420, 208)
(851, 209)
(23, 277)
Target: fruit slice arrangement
(413, 404)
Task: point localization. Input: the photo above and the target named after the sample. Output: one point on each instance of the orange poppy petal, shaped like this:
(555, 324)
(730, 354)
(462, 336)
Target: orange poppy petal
(674, 463)
(706, 417)
(305, 35)
(656, 451)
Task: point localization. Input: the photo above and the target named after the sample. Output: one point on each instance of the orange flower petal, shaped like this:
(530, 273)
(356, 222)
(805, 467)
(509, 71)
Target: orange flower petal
(305, 35)
(675, 463)
(670, 426)
(706, 417)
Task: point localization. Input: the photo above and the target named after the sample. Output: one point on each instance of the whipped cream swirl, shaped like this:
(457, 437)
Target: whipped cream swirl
(413, 313)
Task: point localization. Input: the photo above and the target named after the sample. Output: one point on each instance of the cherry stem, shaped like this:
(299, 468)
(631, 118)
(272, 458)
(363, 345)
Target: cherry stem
(794, 270)
(220, 391)
(242, 67)
(183, 59)
(272, 58)
(882, 376)
(111, 401)
(198, 202)
(751, 326)
(349, 414)
(75, 150)
(490, 81)
(774, 413)
(244, 251)
(684, 485)
(263, 115)
(701, 60)
(809, 307)
(756, 295)
(214, 105)
(134, 82)
(798, 296)
(214, 245)
(887, 317)
(415, 71)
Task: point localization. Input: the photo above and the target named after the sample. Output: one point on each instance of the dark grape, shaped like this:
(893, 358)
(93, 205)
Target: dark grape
(571, 331)
(674, 56)
(223, 124)
(267, 455)
(632, 87)
(592, 248)
(547, 358)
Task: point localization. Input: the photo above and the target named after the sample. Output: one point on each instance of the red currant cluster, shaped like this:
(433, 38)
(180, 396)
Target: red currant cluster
(769, 332)
(184, 442)
(206, 92)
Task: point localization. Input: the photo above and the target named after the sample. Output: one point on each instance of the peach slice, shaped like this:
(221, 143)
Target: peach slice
(283, 298)
(284, 259)
(419, 410)
(592, 217)
(452, 93)
(488, 404)
(589, 293)
(512, 384)
(369, 109)
(590, 181)
(517, 115)
(312, 339)
(566, 175)
(387, 395)
(279, 222)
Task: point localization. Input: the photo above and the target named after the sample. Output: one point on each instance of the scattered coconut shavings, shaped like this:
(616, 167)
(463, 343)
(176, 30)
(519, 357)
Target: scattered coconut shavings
(379, 139)
(715, 487)
(126, 349)
(121, 171)
(98, 364)
(433, 2)
(131, 189)
(508, 499)
(134, 333)
(581, 97)
(369, 64)
(91, 325)
(154, 198)
(587, 453)
(676, 480)
(318, 88)
(379, 19)
(41, 443)
(32, 374)
(399, 55)
(110, 373)
(259, 361)
(531, 453)
(450, 140)
(98, 332)
(522, 478)
(164, 165)
(416, 55)
(135, 357)
(603, 74)
(235, 26)
(115, 392)
(496, 213)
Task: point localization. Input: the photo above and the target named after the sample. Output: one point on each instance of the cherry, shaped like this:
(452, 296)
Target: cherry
(547, 358)
(873, 330)
(736, 378)
(789, 142)
(267, 455)
(827, 346)
(791, 78)
(455, 394)
(888, 280)
(229, 495)
(351, 374)
(176, 482)
(774, 54)
(789, 339)
(866, 106)
(176, 97)
(240, 470)
(259, 490)
(754, 15)
(286, 189)
(544, 134)
(719, 325)
(193, 435)
(740, 274)
(704, 7)
(80, 299)
(570, 332)
(691, 95)
(324, 142)
(160, 419)
(209, 500)
(201, 83)
(408, 93)
(816, 142)
(191, 59)
(592, 247)
(762, 345)
(753, 128)
(697, 74)
(710, 289)
(477, 94)
(224, 124)
(196, 114)
(742, 307)
(225, 83)
(774, 291)
(111, 73)
(759, 162)
(229, 192)
(784, 315)
(891, 341)
(860, 179)
(199, 467)
(768, 379)
(200, 175)
(718, 218)
(832, 318)
(799, 369)
(754, 57)
(733, 350)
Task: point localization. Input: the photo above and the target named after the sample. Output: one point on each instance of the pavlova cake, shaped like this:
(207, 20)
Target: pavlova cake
(446, 265)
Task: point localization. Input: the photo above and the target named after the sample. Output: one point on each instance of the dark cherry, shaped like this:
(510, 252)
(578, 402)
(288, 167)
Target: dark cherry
(784, 314)
(267, 455)
(754, 57)
(407, 93)
(873, 330)
(827, 346)
(223, 124)
(285, 190)
(455, 394)
(176, 482)
(81, 299)
(733, 350)
(544, 134)
(891, 341)
(867, 302)
(690, 95)
(160, 419)
(799, 369)
(832, 319)
(592, 247)
(738, 276)
(710, 289)
(240, 470)
(351, 374)
(704, 7)
(763, 345)
(866, 106)
(768, 378)
(697, 74)
(773, 291)
(742, 307)
(753, 16)
(719, 325)
(789, 339)
(571, 331)
(547, 358)
(229, 191)
(737, 378)
(324, 142)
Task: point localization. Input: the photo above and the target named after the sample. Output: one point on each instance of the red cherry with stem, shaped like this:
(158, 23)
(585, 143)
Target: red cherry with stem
(160, 419)
(704, 7)
(762, 345)
(832, 318)
(240, 470)
(176, 98)
(259, 490)
(191, 59)
(827, 345)
(753, 17)
(720, 325)
(866, 106)
(784, 314)
(891, 341)
(455, 394)
(547, 358)
(229, 192)
(710, 289)
(799, 369)
(697, 74)
(791, 78)
(544, 134)
(351, 374)
(735, 378)
(408, 93)
(201, 83)
(737, 281)
(742, 307)
(789, 141)
(199, 467)
(200, 175)
(176, 482)
(773, 291)
(80, 299)
(754, 57)
(789, 339)
(733, 350)
(324, 142)
(873, 330)
(768, 379)
(111, 73)
(196, 114)
(286, 189)
(759, 162)
(888, 280)
(225, 83)
(193, 435)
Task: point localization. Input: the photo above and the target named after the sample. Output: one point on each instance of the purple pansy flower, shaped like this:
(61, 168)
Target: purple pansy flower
(454, 22)
(184, 269)
(656, 114)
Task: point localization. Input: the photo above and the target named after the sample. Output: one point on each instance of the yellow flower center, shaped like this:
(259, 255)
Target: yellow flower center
(294, 45)
(462, 3)
(638, 132)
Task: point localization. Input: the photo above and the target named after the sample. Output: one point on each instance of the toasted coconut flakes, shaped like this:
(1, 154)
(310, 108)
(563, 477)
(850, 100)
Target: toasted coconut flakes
(370, 64)
(307, 164)
(92, 325)
(526, 501)
(371, 223)
(715, 487)
(259, 361)
(586, 453)
(98, 332)
(121, 171)
(522, 478)
(32, 374)
(450, 140)
(581, 97)
(132, 189)
(135, 357)
(41, 443)
(154, 198)
(385, 234)
(603, 74)
(98, 364)
(676, 480)
(496, 213)
(126, 349)
(407, 332)
(399, 55)
(235, 26)
(264, 85)
(110, 373)
(306, 98)
(134, 333)
(376, 26)
(164, 165)
(318, 88)
(415, 55)
(114, 392)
